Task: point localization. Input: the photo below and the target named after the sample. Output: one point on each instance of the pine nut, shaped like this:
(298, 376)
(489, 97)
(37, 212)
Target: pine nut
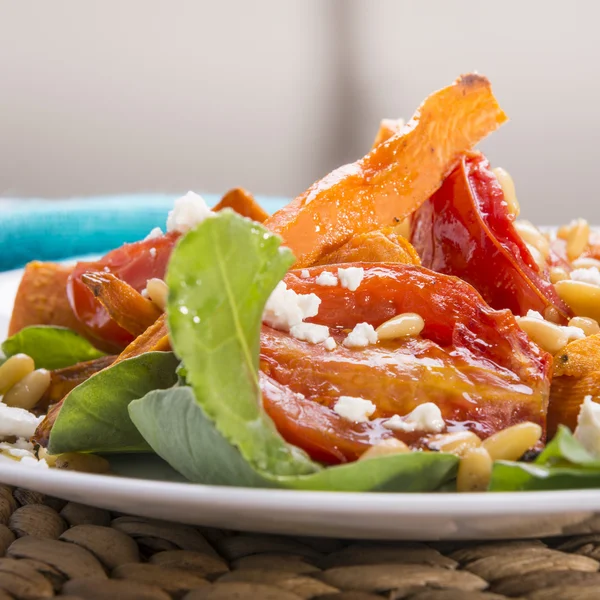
(86, 463)
(27, 392)
(454, 443)
(157, 291)
(563, 231)
(474, 471)
(578, 239)
(582, 298)
(589, 326)
(511, 443)
(13, 370)
(552, 315)
(404, 325)
(538, 257)
(508, 188)
(50, 459)
(403, 228)
(585, 262)
(386, 447)
(546, 335)
(533, 236)
(558, 274)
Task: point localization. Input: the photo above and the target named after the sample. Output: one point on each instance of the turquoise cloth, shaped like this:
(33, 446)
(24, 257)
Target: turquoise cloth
(57, 229)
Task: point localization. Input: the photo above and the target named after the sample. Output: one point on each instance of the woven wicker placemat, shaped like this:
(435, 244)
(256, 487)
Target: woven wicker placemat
(50, 547)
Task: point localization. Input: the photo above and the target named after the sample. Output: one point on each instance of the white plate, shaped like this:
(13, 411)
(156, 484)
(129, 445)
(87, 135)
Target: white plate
(147, 486)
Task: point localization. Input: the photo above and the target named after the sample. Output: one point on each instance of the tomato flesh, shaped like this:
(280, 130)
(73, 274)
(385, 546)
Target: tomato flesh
(473, 362)
(133, 263)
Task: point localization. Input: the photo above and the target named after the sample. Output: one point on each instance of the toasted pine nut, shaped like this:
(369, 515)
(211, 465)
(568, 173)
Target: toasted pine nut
(582, 298)
(558, 274)
(474, 471)
(403, 325)
(386, 447)
(13, 370)
(578, 239)
(551, 314)
(50, 459)
(546, 335)
(585, 262)
(563, 231)
(403, 228)
(589, 326)
(77, 461)
(454, 443)
(27, 392)
(533, 236)
(508, 188)
(538, 257)
(511, 443)
(157, 291)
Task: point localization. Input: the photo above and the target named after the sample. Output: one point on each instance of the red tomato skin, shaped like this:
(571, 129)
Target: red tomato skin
(133, 263)
(465, 230)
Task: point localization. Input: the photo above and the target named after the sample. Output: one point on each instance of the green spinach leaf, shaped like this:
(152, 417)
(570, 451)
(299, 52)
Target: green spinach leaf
(94, 416)
(220, 276)
(177, 428)
(51, 347)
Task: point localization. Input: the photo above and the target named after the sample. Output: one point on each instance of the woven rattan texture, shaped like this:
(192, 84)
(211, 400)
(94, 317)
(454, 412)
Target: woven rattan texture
(50, 548)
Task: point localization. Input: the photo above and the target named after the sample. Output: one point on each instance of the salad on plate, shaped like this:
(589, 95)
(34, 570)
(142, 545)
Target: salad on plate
(396, 327)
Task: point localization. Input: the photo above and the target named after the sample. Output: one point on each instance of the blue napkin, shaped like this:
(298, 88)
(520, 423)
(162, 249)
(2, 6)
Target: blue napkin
(58, 229)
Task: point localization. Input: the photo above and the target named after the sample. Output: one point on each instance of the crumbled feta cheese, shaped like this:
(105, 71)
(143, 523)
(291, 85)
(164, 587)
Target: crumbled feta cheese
(326, 278)
(590, 275)
(154, 234)
(354, 409)
(588, 426)
(330, 344)
(573, 333)
(309, 332)
(534, 314)
(305, 274)
(351, 277)
(361, 336)
(17, 422)
(152, 252)
(188, 212)
(285, 308)
(425, 417)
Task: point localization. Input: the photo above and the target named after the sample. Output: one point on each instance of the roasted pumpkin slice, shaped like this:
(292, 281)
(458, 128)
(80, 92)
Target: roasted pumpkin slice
(395, 178)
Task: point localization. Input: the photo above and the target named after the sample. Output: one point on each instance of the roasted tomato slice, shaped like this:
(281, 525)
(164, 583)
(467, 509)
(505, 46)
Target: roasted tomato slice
(473, 362)
(134, 263)
(465, 229)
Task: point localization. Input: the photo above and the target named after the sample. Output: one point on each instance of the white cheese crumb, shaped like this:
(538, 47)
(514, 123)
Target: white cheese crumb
(351, 277)
(326, 278)
(17, 422)
(285, 308)
(590, 275)
(573, 333)
(188, 212)
(154, 234)
(330, 344)
(534, 314)
(305, 274)
(361, 336)
(309, 332)
(588, 426)
(354, 409)
(152, 252)
(425, 417)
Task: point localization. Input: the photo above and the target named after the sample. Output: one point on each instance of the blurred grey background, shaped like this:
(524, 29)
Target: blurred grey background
(157, 95)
